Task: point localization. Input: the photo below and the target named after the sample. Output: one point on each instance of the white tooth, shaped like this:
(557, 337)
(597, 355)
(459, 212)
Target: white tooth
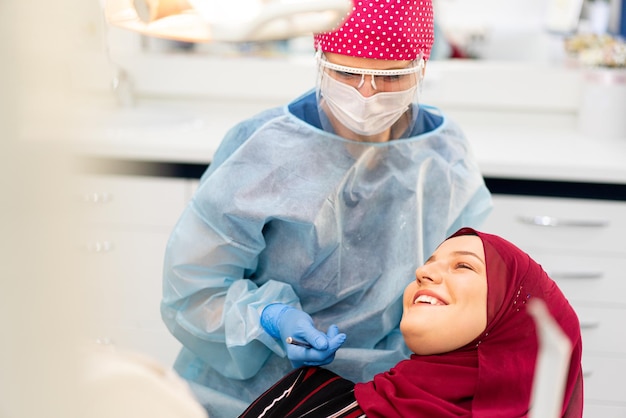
(427, 299)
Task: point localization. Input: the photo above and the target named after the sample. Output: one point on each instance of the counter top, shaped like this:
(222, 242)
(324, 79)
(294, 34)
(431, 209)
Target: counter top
(524, 126)
(506, 144)
(541, 147)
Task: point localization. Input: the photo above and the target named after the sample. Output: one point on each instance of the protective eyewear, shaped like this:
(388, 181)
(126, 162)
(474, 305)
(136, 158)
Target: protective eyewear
(381, 80)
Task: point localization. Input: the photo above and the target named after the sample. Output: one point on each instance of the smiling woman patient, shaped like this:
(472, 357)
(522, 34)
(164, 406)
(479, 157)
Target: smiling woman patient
(474, 344)
(445, 308)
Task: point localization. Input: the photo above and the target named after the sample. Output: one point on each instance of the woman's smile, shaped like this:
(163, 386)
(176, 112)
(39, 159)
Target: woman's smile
(428, 297)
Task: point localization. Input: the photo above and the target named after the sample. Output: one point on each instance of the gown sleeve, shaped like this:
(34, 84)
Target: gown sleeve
(208, 303)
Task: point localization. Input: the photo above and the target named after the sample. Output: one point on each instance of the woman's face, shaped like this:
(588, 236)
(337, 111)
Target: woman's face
(445, 308)
(382, 83)
(348, 90)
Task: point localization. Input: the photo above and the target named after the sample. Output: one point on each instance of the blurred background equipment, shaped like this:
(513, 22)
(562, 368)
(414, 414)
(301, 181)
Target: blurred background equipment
(232, 21)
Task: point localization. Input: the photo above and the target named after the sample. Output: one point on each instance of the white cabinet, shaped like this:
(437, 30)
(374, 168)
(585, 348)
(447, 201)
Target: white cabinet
(126, 223)
(580, 243)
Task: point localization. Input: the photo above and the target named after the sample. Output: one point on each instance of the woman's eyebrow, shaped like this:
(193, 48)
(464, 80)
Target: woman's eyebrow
(470, 254)
(433, 257)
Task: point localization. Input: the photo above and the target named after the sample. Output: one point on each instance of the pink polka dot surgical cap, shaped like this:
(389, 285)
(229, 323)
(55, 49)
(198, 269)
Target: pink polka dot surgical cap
(383, 29)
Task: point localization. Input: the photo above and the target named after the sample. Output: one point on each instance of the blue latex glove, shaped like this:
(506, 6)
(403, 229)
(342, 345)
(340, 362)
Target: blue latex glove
(282, 321)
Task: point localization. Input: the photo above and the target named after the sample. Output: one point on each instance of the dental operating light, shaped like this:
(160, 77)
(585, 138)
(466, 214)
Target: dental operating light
(226, 20)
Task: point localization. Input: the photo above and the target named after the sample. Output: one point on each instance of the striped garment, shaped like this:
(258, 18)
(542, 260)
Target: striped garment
(309, 392)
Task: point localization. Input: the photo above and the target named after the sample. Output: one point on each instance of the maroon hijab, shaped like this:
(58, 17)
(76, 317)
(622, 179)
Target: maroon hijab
(493, 375)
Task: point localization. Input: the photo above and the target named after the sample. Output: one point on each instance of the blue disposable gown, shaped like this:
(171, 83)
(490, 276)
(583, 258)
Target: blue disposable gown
(290, 213)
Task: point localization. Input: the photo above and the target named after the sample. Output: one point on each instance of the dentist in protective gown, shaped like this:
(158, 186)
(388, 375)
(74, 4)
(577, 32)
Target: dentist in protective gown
(313, 217)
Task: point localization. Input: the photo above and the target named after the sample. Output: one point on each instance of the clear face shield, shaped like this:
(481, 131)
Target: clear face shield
(359, 102)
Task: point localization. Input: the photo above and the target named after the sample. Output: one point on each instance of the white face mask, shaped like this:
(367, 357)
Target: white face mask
(365, 115)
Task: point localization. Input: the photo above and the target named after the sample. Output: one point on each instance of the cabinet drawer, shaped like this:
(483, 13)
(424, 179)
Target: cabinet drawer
(132, 200)
(604, 379)
(602, 329)
(559, 223)
(156, 343)
(598, 410)
(586, 279)
(122, 273)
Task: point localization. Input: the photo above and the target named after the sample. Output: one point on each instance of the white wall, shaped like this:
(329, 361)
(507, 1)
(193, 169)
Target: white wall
(522, 14)
(497, 29)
